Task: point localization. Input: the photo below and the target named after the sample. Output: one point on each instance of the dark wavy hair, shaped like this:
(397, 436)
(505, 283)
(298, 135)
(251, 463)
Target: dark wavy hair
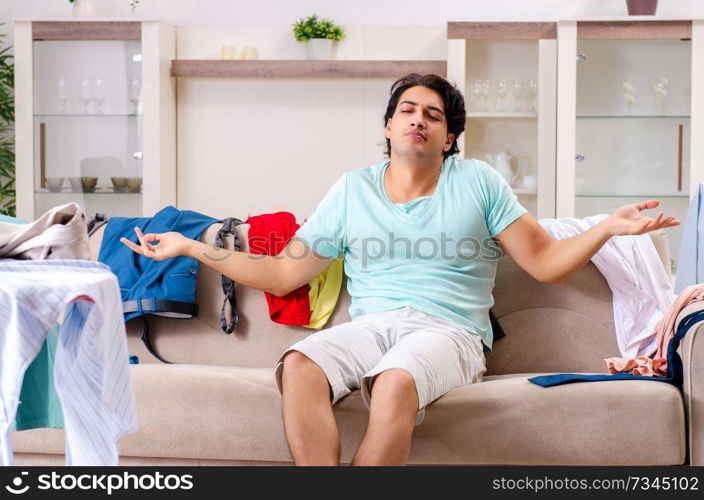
(453, 99)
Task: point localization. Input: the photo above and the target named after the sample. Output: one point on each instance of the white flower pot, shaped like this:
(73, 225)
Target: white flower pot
(84, 8)
(320, 48)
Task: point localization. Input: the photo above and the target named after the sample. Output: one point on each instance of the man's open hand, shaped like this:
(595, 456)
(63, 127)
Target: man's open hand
(169, 245)
(628, 219)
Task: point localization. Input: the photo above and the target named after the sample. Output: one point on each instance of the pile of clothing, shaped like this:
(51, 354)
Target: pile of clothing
(61, 315)
(644, 303)
(142, 278)
(310, 305)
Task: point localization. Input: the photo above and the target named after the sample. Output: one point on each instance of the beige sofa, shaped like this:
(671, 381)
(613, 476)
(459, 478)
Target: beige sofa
(220, 404)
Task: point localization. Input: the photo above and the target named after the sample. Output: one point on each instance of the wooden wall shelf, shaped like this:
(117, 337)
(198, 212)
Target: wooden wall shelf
(634, 30)
(303, 69)
(86, 30)
(501, 31)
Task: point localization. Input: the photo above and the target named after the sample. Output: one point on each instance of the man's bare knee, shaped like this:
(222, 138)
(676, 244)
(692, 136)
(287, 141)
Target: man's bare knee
(397, 378)
(298, 366)
(396, 389)
(295, 362)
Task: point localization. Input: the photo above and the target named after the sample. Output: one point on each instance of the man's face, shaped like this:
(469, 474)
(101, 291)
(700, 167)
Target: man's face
(418, 127)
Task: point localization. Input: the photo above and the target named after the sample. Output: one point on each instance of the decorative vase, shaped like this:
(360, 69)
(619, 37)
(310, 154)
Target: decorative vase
(84, 8)
(320, 48)
(641, 7)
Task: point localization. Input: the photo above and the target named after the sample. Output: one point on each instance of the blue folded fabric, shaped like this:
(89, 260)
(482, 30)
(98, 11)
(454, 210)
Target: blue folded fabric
(674, 363)
(143, 279)
(690, 263)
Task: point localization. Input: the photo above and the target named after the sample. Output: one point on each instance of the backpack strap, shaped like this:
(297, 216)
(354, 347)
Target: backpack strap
(228, 286)
(147, 343)
(161, 307)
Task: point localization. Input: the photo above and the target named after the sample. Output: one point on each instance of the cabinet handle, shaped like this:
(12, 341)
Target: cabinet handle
(42, 155)
(579, 157)
(679, 157)
(581, 58)
(138, 155)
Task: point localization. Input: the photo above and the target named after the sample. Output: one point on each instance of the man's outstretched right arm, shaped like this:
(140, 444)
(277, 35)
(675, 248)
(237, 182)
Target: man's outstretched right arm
(295, 266)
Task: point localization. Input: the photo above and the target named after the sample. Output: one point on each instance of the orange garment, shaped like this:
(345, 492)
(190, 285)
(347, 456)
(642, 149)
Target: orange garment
(665, 330)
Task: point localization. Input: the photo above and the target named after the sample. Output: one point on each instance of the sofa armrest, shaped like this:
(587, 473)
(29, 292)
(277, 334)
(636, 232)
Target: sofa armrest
(691, 350)
(662, 245)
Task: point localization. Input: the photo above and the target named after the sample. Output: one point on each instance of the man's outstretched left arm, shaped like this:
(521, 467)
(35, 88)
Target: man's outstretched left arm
(551, 261)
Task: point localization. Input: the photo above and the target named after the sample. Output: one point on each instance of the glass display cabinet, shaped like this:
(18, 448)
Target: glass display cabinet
(507, 73)
(95, 116)
(628, 94)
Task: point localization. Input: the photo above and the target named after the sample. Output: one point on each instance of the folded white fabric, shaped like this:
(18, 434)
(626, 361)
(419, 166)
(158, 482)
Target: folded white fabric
(642, 291)
(91, 367)
(60, 233)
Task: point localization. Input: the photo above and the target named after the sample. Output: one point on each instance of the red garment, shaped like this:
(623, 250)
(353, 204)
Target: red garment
(268, 235)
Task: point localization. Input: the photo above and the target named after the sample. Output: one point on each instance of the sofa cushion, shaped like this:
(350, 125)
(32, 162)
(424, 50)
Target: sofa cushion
(229, 413)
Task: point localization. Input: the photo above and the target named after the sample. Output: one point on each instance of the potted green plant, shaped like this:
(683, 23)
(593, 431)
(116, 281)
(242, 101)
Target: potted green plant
(320, 36)
(7, 119)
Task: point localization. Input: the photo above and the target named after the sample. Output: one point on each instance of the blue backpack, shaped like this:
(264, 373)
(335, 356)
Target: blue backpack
(168, 287)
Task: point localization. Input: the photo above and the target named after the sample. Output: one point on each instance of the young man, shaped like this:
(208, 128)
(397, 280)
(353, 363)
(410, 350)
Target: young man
(417, 232)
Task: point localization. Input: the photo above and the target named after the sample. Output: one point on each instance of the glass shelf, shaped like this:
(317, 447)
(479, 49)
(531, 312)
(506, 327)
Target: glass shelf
(101, 115)
(620, 117)
(489, 114)
(630, 195)
(100, 190)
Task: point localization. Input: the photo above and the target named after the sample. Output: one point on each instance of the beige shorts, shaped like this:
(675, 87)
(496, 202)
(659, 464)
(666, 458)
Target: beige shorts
(439, 355)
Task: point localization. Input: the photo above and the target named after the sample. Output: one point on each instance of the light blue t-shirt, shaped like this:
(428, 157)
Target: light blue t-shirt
(435, 253)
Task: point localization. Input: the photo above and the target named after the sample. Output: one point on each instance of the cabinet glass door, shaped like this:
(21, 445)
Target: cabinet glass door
(633, 127)
(508, 74)
(501, 97)
(88, 126)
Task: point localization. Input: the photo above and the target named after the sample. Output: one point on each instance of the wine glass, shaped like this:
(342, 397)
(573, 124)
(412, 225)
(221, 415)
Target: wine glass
(486, 93)
(63, 94)
(629, 92)
(532, 95)
(99, 92)
(477, 94)
(133, 93)
(517, 91)
(501, 92)
(84, 95)
(661, 93)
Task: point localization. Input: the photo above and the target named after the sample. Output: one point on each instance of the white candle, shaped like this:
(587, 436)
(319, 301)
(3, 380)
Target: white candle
(249, 52)
(228, 52)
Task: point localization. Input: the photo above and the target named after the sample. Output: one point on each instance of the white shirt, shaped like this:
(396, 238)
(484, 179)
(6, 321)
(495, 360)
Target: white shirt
(91, 367)
(642, 291)
(60, 233)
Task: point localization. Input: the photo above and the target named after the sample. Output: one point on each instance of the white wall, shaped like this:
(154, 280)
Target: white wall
(249, 146)
(345, 12)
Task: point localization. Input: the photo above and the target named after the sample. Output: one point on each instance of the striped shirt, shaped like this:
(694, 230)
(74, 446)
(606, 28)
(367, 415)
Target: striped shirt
(91, 370)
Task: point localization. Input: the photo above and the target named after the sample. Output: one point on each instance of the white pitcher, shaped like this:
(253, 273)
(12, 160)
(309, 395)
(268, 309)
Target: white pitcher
(501, 161)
